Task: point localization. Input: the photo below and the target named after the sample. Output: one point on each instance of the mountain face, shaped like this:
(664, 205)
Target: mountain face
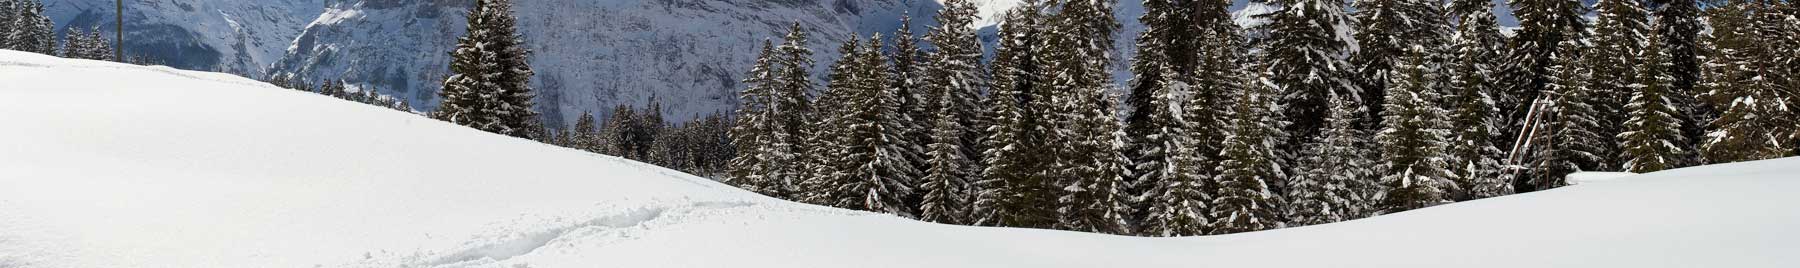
(235, 36)
(589, 55)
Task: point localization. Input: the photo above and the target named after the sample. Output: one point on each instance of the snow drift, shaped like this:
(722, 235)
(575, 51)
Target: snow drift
(109, 165)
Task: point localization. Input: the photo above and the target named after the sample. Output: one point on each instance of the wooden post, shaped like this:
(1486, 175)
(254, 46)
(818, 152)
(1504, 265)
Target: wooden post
(119, 40)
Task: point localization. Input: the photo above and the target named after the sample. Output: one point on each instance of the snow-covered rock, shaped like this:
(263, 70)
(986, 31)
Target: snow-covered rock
(235, 36)
(157, 167)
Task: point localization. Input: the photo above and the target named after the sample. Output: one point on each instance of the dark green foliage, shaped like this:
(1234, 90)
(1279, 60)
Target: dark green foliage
(1571, 138)
(1245, 200)
(763, 163)
(1413, 140)
(490, 85)
(1651, 139)
(1754, 85)
(1385, 30)
(1306, 59)
(1333, 180)
(28, 28)
(1474, 117)
(1015, 185)
(878, 170)
(1620, 35)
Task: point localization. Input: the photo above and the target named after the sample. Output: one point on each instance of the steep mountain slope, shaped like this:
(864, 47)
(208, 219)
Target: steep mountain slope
(235, 36)
(156, 167)
(589, 55)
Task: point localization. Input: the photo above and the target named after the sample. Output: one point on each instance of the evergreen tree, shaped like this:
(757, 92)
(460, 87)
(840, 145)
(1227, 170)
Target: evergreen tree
(1620, 36)
(1333, 177)
(1245, 200)
(1091, 164)
(879, 175)
(946, 186)
(1385, 30)
(1177, 201)
(490, 87)
(1757, 121)
(1208, 71)
(759, 165)
(952, 82)
(585, 135)
(1570, 139)
(1015, 184)
(1164, 55)
(1543, 26)
(9, 14)
(32, 30)
(1678, 24)
(1413, 140)
(1305, 55)
(1652, 139)
(791, 108)
(908, 84)
(824, 168)
(1474, 117)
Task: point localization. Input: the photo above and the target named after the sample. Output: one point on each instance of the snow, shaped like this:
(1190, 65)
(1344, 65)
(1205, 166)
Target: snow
(1586, 177)
(156, 167)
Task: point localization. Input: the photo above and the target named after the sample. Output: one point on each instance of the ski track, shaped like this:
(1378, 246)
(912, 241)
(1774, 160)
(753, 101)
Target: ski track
(629, 223)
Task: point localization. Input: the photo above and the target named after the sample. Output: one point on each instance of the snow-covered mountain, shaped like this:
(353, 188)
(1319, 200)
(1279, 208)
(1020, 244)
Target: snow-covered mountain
(235, 36)
(589, 55)
(158, 167)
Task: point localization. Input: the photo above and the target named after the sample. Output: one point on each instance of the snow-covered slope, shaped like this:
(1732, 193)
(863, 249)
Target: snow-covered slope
(236, 36)
(155, 167)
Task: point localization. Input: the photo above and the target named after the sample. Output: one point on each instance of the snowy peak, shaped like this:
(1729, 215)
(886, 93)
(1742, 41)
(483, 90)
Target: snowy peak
(235, 36)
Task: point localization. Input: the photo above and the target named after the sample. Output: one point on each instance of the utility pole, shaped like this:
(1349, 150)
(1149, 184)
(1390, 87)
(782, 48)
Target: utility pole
(119, 45)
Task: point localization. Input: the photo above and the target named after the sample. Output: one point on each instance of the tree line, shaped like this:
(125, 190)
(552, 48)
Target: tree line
(1320, 115)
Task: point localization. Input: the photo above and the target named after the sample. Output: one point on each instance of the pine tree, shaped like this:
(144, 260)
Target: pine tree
(952, 81)
(1306, 60)
(1015, 183)
(1385, 30)
(1164, 55)
(908, 84)
(32, 30)
(1570, 139)
(1543, 26)
(9, 14)
(1333, 177)
(791, 109)
(946, 186)
(1473, 114)
(1090, 164)
(1207, 69)
(74, 44)
(1245, 200)
(824, 168)
(490, 87)
(1413, 140)
(584, 137)
(1652, 140)
(1678, 24)
(756, 168)
(880, 174)
(1620, 35)
(1178, 197)
(1757, 121)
